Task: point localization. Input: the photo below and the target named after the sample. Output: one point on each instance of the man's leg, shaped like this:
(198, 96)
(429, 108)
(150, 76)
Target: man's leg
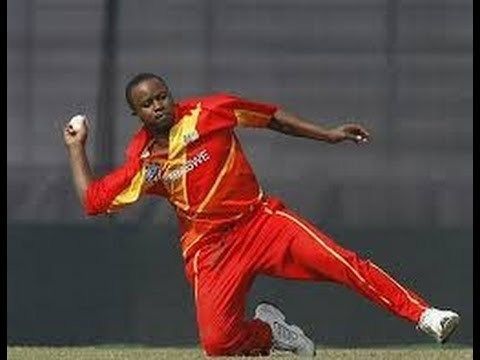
(300, 251)
(221, 279)
(295, 249)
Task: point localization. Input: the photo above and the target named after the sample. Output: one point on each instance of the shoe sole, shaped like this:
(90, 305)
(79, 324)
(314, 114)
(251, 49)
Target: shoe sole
(450, 326)
(281, 315)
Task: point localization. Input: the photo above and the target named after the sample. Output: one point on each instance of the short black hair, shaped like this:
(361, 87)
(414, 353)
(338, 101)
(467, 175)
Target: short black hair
(137, 79)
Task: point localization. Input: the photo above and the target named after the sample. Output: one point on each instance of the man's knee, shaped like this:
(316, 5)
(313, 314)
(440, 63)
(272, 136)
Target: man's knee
(248, 341)
(219, 349)
(219, 343)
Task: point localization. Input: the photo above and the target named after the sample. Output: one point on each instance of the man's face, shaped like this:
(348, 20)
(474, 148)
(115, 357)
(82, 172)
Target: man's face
(153, 104)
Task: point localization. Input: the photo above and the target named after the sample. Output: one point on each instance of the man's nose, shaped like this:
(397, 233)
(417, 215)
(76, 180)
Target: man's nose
(158, 105)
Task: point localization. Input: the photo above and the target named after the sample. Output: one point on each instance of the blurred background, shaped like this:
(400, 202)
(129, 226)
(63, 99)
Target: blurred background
(403, 68)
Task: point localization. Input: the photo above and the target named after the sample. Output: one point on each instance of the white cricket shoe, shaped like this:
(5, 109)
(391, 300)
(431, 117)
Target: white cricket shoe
(286, 337)
(438, 323)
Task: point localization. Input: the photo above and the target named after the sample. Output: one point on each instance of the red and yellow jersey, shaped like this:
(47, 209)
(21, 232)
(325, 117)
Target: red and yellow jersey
(204, 175)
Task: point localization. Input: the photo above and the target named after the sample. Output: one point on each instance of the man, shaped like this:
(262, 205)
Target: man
(231, 231)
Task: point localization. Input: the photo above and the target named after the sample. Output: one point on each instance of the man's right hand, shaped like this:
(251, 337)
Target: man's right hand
(75, 142)
(74, 138)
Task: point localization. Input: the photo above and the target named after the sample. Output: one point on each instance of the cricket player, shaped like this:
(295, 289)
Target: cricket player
(188, 153)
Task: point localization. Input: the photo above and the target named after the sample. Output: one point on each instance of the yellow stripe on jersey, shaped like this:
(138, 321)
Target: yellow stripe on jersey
(182, 132)
(132, 192)
(180, 135)
(249, 118)
(227, 166)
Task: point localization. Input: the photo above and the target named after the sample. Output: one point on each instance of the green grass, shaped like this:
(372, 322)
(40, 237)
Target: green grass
(144, 353)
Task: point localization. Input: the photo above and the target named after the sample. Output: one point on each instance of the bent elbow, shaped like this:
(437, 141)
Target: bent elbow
(91, 202)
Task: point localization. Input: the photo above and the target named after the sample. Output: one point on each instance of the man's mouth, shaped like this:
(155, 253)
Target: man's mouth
(163, 117)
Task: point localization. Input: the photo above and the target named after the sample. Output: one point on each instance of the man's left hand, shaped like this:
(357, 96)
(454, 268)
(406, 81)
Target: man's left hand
(353, 132)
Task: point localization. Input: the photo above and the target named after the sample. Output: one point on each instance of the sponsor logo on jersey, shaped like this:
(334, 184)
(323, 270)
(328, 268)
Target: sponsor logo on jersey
(151, 172)
(191, 164)
(190, 137)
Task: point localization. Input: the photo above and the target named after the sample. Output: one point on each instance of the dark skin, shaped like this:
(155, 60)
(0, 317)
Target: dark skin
(153, 104)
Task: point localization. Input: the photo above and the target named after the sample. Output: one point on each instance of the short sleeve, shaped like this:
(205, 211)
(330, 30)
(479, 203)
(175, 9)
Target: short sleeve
(249, 113)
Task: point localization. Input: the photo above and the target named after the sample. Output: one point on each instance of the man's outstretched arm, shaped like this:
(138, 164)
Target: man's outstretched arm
(290, 124)
(79, 164)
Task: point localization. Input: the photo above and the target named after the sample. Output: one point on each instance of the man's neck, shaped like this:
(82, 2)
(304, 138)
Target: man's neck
(160, 142)
(161, 138)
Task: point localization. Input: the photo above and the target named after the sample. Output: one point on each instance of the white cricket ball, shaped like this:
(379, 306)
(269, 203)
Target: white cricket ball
(361, 138)
(77, 121)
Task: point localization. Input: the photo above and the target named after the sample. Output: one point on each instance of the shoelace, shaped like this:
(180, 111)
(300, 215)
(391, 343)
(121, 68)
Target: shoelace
(284, 333)
(443, 322)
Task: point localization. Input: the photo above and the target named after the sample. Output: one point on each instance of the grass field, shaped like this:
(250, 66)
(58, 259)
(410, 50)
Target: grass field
(451, 352)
